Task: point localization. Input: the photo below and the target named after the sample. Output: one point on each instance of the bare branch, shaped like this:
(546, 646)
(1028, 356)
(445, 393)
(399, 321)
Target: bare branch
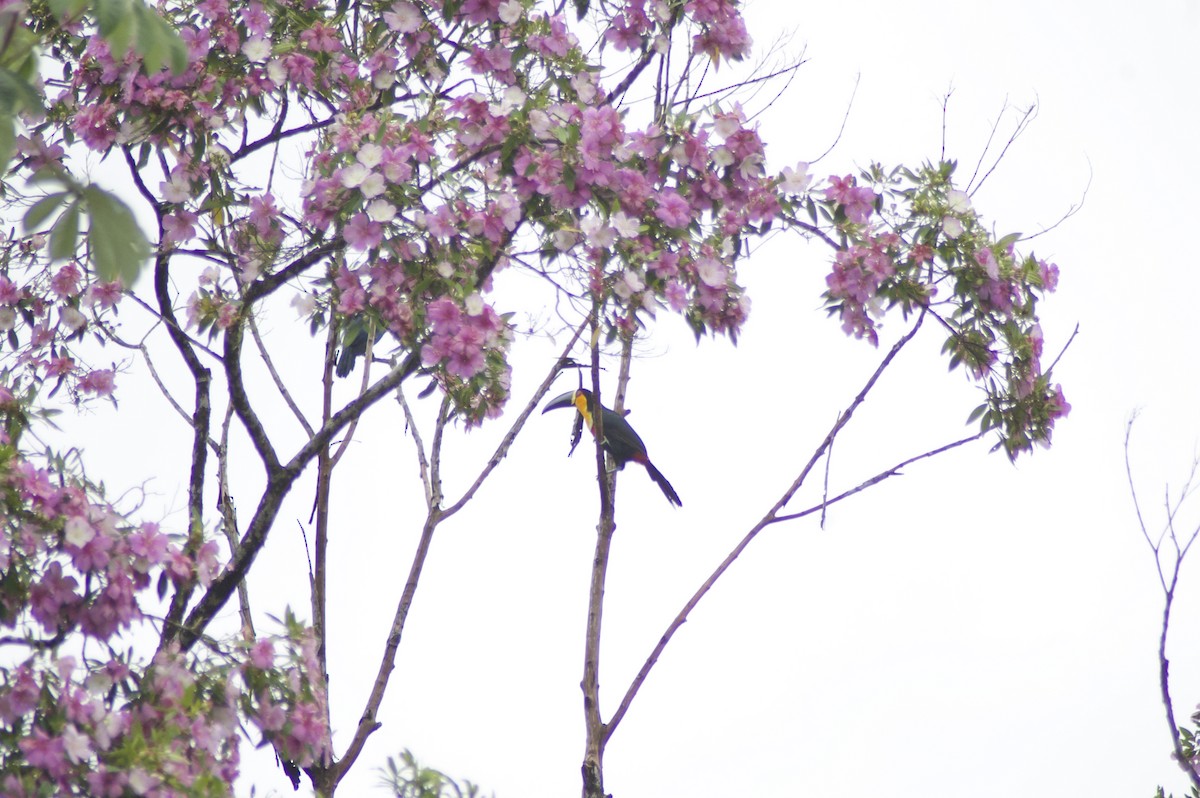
(845, 119)
(1169, 584)
(1023, 123)
(229, 520)
(368, 724)
(279, 484)
(894, 471)
(769, 518)
(1071, 211)
(270, 364)
(422, 463)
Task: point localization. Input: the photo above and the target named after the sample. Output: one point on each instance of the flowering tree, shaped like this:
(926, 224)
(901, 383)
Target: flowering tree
(376, 166)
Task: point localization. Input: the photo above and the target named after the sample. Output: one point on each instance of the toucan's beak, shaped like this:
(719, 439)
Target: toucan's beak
(559, 402)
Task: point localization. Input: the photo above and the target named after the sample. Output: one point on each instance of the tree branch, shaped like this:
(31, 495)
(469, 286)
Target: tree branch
(279, 484)
(766, 520)
(1168, 586)
(367, 724)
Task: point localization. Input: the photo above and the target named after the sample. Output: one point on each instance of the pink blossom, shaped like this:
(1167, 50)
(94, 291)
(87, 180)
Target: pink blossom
(264, 215)
(444, 315)
(22, 695)
(99, 382)
(148, 545)
(987, 259)
(10, 294)
(59, 366)
(676, 296)
(262, 654)
(92, 554)
(65, 282)
(198, 42)
(361, 233)
(666, 265)
(711, 271)
(206, 563)
(300, 70)
(256, 20)
(1049, 274)
(441, 223)
(45, 752)
(321, 38)
(52, 598)
(629, 27)
(1058, 405)
(106, 295)
(997, 295)
(268, 715)
(95, 125)
(178, 227)
(480, 10)
(673, 210)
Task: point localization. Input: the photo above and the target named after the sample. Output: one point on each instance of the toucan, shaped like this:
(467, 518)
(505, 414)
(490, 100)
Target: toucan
(620, 441)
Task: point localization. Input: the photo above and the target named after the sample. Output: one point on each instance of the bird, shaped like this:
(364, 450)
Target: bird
(620, 441)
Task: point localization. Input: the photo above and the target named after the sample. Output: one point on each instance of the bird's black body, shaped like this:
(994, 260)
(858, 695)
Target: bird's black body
(620, 441)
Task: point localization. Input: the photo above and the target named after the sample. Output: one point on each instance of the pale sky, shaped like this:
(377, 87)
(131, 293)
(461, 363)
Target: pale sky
(969, 628)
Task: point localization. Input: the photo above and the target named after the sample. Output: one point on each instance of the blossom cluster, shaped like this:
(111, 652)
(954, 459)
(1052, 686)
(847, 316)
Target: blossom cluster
(932, 238)
(77, 578)
(45, 313)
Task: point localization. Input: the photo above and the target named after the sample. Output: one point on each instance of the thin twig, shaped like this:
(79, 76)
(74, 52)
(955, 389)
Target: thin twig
(894, 471)
(422, 463)
(845, 119)
(1022, 124)
(229, 520)
(270, 364)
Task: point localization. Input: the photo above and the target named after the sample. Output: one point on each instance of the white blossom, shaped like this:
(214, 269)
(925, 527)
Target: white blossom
(403, 18)
(353, 175)
(381, 211)
(256, 49)
(625, 225)
(78, 531)
(473, 304)
(373, 186)
(510, 12)
(795, 181)
(369, 155)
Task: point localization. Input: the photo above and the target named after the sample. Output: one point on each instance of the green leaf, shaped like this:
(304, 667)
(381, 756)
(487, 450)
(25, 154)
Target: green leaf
(41, 210)
(119, 248)
(158, 42)
(16, 95)
(977, 412)
(121, 38)
(1007, 241)
(109, 15)
(68, 8)
(8, 143)
(65, 233)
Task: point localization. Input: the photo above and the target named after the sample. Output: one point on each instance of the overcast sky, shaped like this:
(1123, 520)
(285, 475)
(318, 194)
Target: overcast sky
(971, 627)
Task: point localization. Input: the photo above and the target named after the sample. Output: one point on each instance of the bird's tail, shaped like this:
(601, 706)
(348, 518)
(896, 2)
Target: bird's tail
(667, 490)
